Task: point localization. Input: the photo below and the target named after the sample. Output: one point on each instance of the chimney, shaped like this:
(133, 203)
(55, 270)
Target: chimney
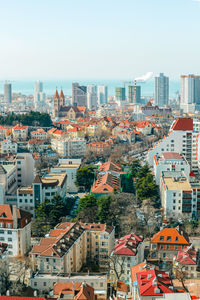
(35, 293)
(14, 212)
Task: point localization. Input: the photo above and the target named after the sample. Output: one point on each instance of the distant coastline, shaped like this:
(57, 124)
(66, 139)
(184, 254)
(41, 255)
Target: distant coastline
(27, 87)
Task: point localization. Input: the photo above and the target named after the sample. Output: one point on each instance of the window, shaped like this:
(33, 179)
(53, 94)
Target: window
(44, 283)
(161, 238)
(9, 232)
(2, 231)
(9, 239)
(101, 284)
(176, 239)
(169, 238)
(174, 207)
(174, 194)
(35, 283)
(174, 201)
(10, 246)
(1, 238)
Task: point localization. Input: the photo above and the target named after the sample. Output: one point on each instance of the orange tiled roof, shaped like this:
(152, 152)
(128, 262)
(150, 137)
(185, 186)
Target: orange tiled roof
(163, 237)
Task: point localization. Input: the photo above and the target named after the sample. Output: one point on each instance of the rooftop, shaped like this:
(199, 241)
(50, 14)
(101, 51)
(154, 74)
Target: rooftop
(177, 183)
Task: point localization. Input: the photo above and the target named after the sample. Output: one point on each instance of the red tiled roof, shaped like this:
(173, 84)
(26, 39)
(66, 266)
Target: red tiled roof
(18, 127)
(154, 283)
(106, 184)
(187, 256)
(183, 124)
(127, 245)
(109, 166)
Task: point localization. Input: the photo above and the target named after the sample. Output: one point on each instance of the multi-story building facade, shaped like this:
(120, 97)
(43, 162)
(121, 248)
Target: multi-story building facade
(8, 146)
(190, 92)
(20, 133)
(8, 92)
(91, 97)
(70, 245)
(180, 196)
(8, 180)
(102, 94)
(161, 90)
(69, 147)
(120, 93)
(79, 95)
(15, 229)
(183, 138)
(166, 243)
(25, 169)
(70, 167)
(128, 252)
(46, 187)
(39, 95)
(134, 94)
(170, 161)
(39, 134)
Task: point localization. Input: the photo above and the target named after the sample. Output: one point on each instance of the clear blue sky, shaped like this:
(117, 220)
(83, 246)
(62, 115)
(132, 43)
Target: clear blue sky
(43, 39)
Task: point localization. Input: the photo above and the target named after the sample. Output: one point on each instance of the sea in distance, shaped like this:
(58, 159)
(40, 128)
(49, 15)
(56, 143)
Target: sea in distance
(49, 86)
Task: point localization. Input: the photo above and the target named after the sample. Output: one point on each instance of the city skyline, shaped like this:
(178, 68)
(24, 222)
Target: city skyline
(90, 39)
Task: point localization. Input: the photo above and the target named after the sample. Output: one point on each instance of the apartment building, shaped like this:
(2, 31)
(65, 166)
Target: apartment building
(8, 146)
(128, 251)
(170, 161)
(180, 197)
(166, 243)
(49, 282)
(70, 245)
(39, 134)
(183, 138)
(8, 180)
(70, 167)
(69, 147)
(15, 229)
(25, 169)
(20, 133)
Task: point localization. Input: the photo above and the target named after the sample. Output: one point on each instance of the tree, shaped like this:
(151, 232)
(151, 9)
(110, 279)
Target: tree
(117, 265)
(146, 187)
(57, 210)
(103, 209)
(135, 167)
(181, 276)
(87, 208)
(85, 176)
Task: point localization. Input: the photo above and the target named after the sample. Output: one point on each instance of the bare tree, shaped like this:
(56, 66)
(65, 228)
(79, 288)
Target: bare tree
(117, 265)
(181, 276)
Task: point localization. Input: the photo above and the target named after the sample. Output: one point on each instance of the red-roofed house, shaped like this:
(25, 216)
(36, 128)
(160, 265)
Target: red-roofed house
(15, 227)
(106, 184)
(39, 134)
(166, 243)
(153, 284)
(188, 260)
(127, 252)
(145, 127)
(20, 133)
(75, 291)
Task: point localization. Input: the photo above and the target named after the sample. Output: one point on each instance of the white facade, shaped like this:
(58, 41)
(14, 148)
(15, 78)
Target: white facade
(25, 169)
(170, 162)
(161, 90)
(91, 96)
(7, 146)
(8, 180)
(190, 92)
(102, 94)
(185, 142)
(25, 199)
(69, 147)
(70, 166)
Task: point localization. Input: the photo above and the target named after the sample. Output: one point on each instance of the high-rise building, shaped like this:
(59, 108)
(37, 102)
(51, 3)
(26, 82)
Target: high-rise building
(39, 95)
(120, 93)
(102, 94)
(131, 94)
(91, 96)
(190, 92)
(161, 90)
(8, 92)
(79, 95)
